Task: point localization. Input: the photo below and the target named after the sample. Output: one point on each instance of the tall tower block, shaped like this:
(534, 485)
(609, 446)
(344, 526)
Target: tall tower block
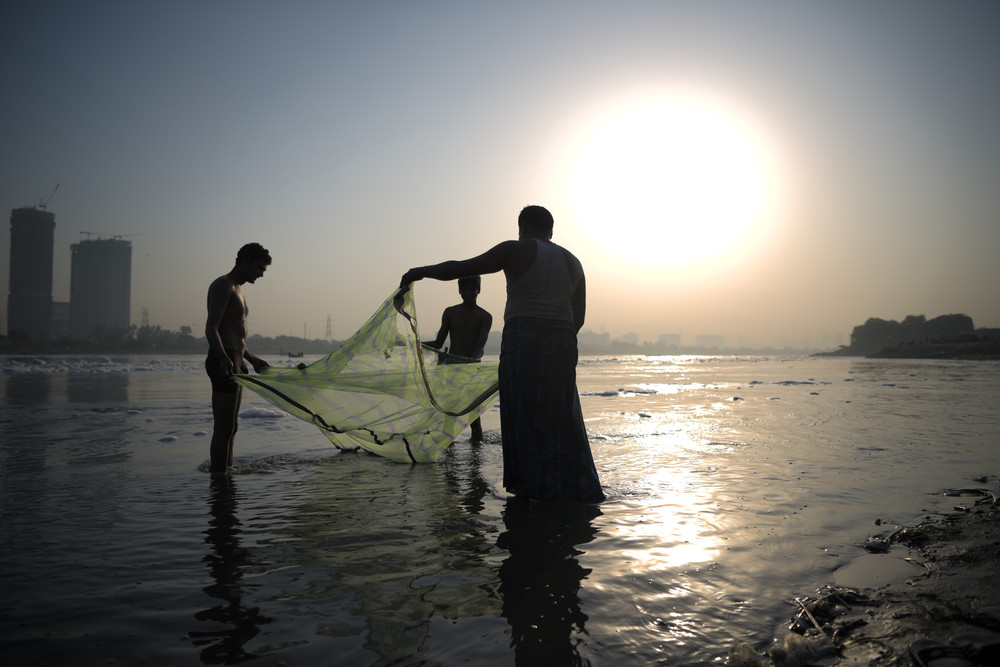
(29, 299)
(100, 286)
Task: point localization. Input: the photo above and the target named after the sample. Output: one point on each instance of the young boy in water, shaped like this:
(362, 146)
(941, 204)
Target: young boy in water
(468, 325)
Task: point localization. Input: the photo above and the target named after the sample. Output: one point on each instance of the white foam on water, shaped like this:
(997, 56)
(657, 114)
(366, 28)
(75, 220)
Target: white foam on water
(262, 413)
(96, 365)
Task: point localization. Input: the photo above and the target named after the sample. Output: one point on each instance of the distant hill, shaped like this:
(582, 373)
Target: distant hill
(943, 337)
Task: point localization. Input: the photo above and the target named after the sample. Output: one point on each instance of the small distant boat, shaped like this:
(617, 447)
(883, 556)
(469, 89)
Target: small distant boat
(294, 355)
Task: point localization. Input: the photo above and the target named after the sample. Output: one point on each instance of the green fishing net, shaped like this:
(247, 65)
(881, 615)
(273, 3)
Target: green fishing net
(382, 391)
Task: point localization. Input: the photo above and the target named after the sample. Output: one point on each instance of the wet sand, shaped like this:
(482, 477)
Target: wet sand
(954, 595)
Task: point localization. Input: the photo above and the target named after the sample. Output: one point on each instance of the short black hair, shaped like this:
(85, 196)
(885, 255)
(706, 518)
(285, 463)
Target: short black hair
(474, 281)
(252, 252)
(536, 217)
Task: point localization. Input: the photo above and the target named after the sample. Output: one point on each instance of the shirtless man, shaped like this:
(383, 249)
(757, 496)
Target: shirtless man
(468, 324)
(226, 331)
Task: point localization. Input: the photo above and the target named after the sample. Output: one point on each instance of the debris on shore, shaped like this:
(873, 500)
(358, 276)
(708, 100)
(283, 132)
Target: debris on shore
(948, 610)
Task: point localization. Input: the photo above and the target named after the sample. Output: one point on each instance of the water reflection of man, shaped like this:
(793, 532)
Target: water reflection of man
(226, 564)
(540, 580)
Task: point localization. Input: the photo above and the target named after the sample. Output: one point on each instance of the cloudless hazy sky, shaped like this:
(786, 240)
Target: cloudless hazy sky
(772, 171)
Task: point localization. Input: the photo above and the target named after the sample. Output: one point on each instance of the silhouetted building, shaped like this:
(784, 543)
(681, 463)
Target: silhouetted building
(631, 338)
(100, 287)
(669, 339)
(60, 319)
(709, 340)
(29, 299)
(588, 338)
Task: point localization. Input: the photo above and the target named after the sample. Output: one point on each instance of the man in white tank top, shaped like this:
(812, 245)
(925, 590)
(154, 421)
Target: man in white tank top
(546, 450)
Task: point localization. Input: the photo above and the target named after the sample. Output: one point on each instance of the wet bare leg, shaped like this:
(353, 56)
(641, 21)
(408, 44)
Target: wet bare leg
(225, 409)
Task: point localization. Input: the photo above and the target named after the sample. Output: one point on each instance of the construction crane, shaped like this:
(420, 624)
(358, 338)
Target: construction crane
(42, 204)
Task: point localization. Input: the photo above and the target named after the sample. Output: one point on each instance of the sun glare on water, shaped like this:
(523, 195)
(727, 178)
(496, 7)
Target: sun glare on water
(668, 186)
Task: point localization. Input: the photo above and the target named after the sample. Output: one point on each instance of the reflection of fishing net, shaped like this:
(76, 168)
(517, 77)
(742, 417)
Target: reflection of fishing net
(380, 391)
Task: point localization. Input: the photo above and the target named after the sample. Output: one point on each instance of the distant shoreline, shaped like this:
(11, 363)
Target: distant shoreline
(986, 350)
(292, 347)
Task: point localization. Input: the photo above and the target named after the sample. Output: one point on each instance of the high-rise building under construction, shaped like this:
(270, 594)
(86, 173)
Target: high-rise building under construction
(29, 298)
(100, 287)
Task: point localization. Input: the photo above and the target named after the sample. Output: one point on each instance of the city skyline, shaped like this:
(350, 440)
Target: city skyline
(100, 282)
(589, 336)
(762, 171)
(103, 297)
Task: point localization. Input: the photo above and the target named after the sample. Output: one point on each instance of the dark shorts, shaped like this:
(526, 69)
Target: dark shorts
(224, 384)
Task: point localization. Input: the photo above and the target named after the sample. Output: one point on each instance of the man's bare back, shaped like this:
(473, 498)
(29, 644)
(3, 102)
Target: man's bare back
(468, 327)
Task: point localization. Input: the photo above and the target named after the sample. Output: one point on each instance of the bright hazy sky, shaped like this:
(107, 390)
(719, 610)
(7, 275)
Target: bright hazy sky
(770, 171)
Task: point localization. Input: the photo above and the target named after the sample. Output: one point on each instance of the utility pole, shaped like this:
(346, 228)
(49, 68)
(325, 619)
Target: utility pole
(329, 329)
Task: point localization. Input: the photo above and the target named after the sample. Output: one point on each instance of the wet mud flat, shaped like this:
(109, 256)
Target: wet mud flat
(946, 613)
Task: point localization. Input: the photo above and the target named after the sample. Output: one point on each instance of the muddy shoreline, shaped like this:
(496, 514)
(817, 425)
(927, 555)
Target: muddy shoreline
(953, 593)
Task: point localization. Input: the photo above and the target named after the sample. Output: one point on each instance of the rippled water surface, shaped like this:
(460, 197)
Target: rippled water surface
(734, 485)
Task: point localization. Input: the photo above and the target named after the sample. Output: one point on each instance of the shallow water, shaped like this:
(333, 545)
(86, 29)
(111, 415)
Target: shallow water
(734, 485)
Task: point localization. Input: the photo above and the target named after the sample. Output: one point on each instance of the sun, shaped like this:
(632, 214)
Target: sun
(668, 185)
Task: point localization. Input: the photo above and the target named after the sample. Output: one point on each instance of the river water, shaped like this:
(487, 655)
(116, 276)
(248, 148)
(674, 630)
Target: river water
(734, 485)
